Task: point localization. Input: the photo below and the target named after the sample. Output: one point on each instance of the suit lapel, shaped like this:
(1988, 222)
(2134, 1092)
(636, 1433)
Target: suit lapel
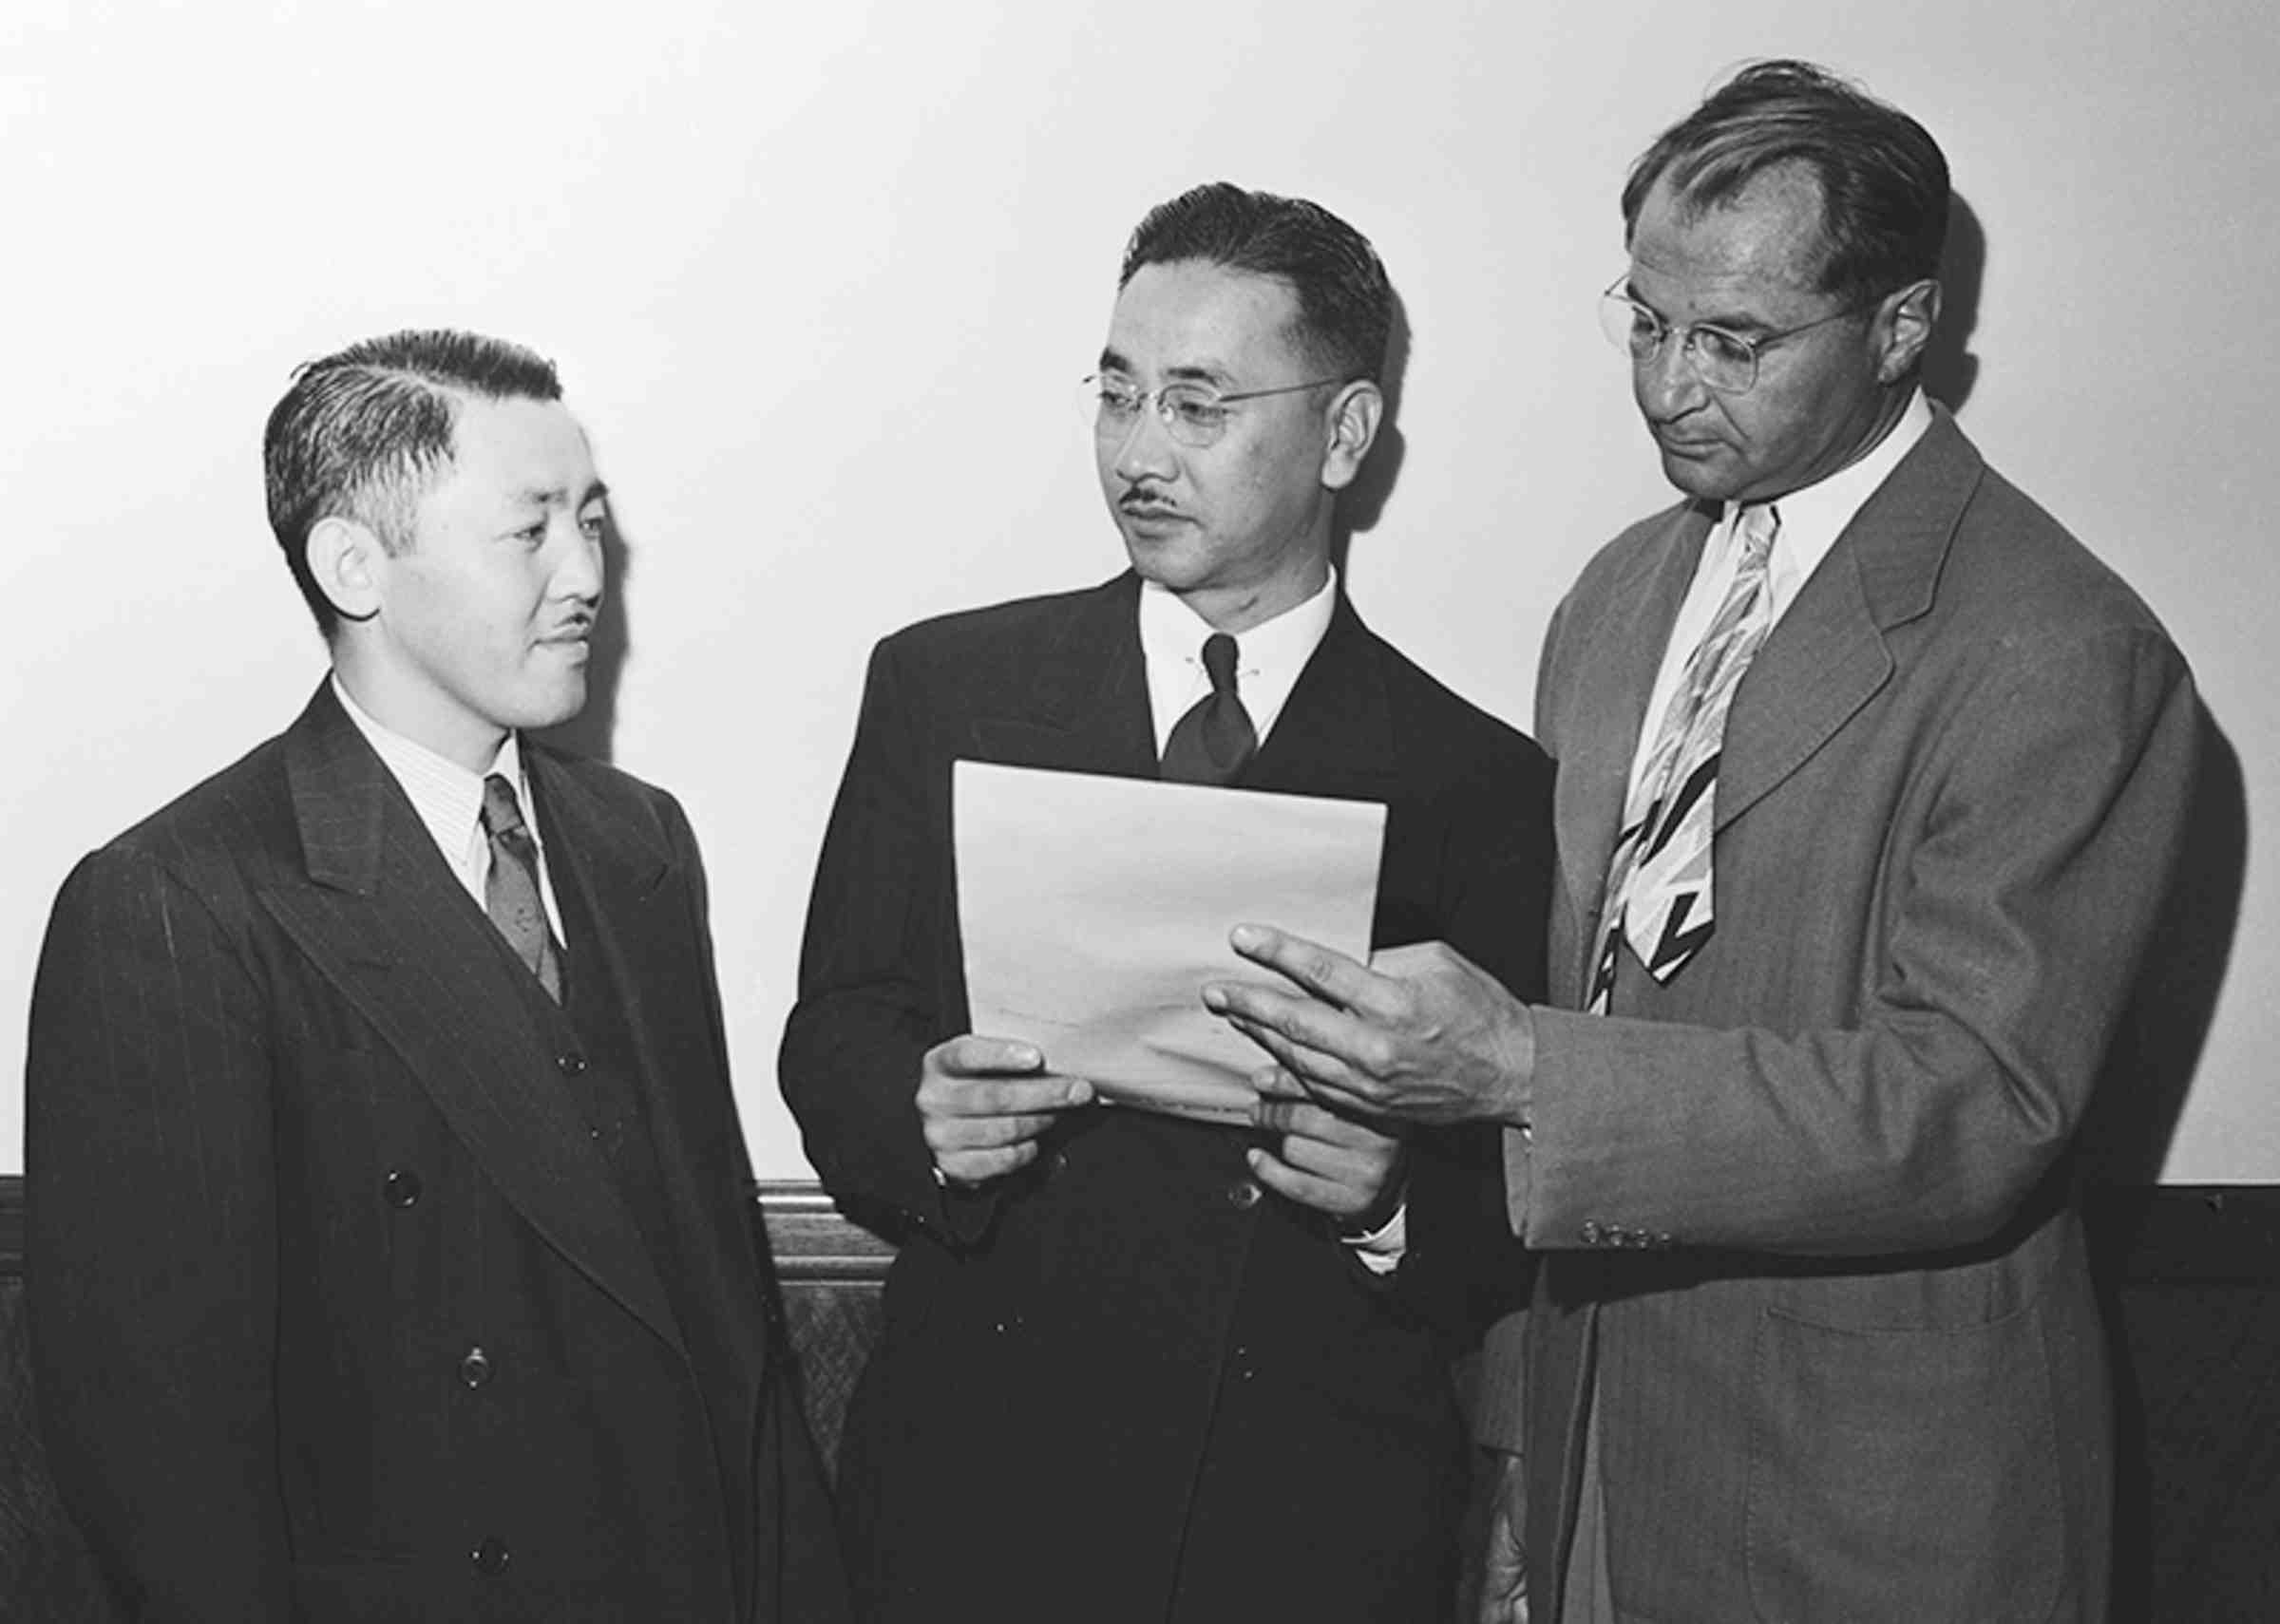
(1082, 705)
(1827, 657)
(1334, 736)
(643, 944)
(1613, 679)
(382, 917)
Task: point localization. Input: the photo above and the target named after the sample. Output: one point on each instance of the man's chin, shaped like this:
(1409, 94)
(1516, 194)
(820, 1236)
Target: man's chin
(1704, 477)
(1159, 558)
(561, 703)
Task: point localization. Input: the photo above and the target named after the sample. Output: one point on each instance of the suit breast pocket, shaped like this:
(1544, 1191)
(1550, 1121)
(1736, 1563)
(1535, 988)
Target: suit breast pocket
(1903, 1474)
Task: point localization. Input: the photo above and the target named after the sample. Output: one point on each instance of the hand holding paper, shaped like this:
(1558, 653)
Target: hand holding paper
(1334, 1163)
(1420, 1035)
(1093, 910)
(983, 1102)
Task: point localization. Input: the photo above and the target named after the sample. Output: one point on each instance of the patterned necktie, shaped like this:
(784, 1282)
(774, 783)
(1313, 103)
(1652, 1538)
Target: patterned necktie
(1659, 887)
(1212, 742)
(511, 892)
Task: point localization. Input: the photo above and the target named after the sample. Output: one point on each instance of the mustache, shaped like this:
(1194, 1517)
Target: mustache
(1146, 498)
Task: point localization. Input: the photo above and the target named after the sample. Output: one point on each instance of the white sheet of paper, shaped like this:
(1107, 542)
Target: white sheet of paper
(1094, 909)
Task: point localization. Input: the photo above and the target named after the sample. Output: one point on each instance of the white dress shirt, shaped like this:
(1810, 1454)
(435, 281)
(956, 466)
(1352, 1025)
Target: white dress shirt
(1812, 519)
(1268, 657)
(448, 799)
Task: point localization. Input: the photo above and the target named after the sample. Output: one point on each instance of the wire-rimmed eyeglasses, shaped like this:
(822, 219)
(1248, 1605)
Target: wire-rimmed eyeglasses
(1193, 414)
(1724, 361)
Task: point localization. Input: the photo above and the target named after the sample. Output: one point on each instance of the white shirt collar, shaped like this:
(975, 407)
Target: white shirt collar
(448, 799)
(1814, 518)
(1269, 656)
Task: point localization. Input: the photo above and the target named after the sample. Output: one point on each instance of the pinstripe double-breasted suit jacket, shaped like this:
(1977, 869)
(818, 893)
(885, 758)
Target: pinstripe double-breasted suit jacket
(337, 1311)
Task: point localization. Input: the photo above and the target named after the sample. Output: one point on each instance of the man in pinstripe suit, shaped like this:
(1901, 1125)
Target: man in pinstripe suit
(391, 1246)
(1813, 1335)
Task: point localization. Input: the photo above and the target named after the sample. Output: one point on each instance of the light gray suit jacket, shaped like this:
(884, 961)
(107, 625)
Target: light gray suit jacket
(1808, 1211)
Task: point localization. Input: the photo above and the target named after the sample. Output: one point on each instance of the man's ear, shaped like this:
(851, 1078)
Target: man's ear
(1353, 417)
(1905, 320)
(344, 560)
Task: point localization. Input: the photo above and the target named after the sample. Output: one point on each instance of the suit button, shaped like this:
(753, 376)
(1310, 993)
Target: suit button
(571, 1065)
(1243, 1194)
(400, 1188)
(492, 1556)
(475, 1369)
(1590, 1232)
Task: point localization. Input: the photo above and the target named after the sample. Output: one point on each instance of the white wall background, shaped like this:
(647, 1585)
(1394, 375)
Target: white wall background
(820, 279)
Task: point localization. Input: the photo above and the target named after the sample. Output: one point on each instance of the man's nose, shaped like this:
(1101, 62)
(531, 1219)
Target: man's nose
(580, 572)
(1146, 449)
(1667, 383)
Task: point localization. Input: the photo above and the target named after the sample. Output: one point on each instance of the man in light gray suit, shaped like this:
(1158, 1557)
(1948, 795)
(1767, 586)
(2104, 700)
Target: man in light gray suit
(1871, 780)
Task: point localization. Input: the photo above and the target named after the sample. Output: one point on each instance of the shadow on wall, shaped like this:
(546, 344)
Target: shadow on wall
(1362, 504)
(2157, 1046)
(1950, 367)
(594, 730)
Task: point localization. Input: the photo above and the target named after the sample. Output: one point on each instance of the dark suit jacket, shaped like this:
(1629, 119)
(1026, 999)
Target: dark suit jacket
(1806, 1210)
(299, 1147)
(1126, 1385)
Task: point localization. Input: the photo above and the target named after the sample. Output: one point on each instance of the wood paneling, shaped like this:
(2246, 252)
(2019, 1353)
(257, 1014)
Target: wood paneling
(2192, 1276)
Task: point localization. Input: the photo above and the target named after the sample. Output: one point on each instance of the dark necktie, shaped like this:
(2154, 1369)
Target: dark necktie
(1212, 742)
(511, 892)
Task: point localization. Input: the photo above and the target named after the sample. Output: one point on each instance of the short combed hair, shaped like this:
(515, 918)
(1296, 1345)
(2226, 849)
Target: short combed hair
(1883, 181)
(362, 432)
(1345, 303)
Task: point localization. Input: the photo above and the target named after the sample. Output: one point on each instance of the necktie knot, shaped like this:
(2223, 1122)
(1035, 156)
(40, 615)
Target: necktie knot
(501, 810)
(1760, 524)
(1219, 662)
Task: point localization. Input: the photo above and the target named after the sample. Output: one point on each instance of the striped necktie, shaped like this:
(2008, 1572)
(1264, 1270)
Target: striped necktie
(510, 894)
(1659, 890)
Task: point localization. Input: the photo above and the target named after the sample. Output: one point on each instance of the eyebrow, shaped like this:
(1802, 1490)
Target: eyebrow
(1218, 377)
(1739, 326)
(551, 496)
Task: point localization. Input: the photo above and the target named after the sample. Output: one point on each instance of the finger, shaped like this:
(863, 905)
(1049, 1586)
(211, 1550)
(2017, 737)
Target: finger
(1303, 1118)
(1307, 1189)
(1276, 1084)
(1001, 1096)
(980, 1166)
(983, 1133)
(1317, 1071)
(1327, 975)
(973, 1055)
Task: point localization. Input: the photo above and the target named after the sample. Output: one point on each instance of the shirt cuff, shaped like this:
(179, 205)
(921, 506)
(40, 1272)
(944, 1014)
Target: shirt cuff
(1381, 1250)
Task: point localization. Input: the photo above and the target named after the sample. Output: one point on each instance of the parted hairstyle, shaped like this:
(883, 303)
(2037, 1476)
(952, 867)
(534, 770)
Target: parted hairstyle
(363, 432)
(1345, 303)
(1883, 181)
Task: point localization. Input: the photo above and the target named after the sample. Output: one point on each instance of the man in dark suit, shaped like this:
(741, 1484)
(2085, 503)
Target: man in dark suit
(392, 1247)
(1139, 1368)
(1812, 1336)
